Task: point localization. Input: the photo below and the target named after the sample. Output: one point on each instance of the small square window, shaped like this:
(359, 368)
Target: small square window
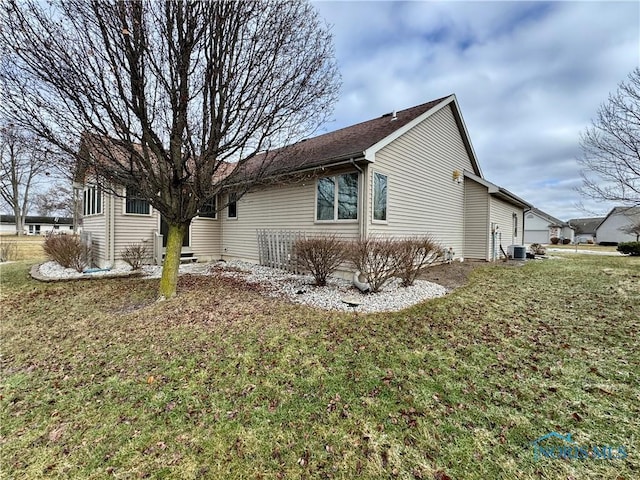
(209, 209)
(135, 204)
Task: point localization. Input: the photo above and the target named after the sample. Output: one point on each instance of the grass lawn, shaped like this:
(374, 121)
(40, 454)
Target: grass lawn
(28, 247)
(98, 380)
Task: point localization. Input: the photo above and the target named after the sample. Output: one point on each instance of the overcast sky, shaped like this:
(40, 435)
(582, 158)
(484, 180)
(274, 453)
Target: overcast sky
(529, 76)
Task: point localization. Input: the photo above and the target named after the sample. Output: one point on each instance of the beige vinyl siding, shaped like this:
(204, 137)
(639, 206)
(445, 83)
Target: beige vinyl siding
(133, 229)
(96, 225)
(422, 196)
(501, 213)
(206, 236)
(283, 207)
(476, 220)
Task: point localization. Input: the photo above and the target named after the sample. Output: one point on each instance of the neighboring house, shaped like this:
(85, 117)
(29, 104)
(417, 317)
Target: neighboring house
(37, 225)
(540, 227)
(610, 229)
(585, 228)
(407, 173)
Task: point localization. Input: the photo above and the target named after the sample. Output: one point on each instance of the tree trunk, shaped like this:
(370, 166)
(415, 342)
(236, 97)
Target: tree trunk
(171, 262)
(19, 221)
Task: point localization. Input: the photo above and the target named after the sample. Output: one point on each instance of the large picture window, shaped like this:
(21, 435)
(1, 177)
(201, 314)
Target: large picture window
(135, 204)
(92, 200)
(379, 197)
(337, 197)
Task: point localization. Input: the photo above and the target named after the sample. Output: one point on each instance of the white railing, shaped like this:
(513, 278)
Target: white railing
(157, 248)
(275, 248)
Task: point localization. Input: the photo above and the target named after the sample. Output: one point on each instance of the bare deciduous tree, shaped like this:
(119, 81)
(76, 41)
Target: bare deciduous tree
(22, 162)
(611, 147)
(56, 200)
(177, 98)
(633, 228)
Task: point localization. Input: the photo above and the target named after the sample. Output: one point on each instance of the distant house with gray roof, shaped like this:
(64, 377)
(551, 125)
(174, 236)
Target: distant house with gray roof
(36, 225)
(540, 227)
(611, 228)
(585, 228)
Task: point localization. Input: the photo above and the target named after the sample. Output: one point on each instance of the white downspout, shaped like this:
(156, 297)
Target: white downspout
(112, 233)
(362, 227)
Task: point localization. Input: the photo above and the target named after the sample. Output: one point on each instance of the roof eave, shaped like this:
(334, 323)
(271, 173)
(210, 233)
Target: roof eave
(506, 195)
(369, 153)
(497, 191)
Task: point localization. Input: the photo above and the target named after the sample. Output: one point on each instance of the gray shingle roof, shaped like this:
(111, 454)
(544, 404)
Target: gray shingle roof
(585, 225)
(38, 220)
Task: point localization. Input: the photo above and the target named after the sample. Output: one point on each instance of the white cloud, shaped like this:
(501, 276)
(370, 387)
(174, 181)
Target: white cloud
(529, 76)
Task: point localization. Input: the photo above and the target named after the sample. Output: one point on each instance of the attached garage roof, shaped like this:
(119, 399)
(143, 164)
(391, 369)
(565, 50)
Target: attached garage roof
(499, 192)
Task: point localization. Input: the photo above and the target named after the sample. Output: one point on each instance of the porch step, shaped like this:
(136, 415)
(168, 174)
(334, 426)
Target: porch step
(188, 259)
(185, 258)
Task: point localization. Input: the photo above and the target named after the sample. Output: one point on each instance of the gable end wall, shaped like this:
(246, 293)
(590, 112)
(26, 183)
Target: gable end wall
(422, 196)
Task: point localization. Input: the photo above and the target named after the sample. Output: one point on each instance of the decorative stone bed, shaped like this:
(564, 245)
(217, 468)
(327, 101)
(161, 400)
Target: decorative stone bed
(339, 294)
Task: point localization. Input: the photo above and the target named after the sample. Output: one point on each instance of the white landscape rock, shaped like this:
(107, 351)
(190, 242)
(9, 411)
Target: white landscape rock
(54, 270)
(300, 289)
(338, 294)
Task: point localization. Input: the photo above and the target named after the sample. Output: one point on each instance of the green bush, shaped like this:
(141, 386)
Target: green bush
(554, 240)
(68, 250)
(630, 248)
(566, 241)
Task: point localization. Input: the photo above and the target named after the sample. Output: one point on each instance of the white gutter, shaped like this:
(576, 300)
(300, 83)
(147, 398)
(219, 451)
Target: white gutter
(112, 233)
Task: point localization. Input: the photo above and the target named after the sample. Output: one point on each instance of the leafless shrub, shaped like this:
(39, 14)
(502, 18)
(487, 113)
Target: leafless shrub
(68, 250)
(8, 251)
(135, 254)
(375, 258)
(320, 255)
(412, 255)
(537, 249)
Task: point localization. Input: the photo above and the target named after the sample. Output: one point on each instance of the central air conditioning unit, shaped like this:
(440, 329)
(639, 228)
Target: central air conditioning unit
(517, 252)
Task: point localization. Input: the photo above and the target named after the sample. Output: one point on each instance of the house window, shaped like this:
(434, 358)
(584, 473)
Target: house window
(232, 208)
(337, 197)
(91, 200)
(379, 197)
(135, 204)
(208, 210)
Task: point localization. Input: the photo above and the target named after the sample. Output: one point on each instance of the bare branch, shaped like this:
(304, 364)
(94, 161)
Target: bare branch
(611, 147)
(174, 98)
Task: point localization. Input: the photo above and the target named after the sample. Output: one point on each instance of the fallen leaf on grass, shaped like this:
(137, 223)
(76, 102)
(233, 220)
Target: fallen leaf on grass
(440, 475)
(56, 433)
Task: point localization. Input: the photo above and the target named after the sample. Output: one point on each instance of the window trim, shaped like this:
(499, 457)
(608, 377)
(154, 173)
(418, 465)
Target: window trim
(336, 199)
(229, 202)
(215, 212)
(373, 199)
(124, 207)
(98, 193)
